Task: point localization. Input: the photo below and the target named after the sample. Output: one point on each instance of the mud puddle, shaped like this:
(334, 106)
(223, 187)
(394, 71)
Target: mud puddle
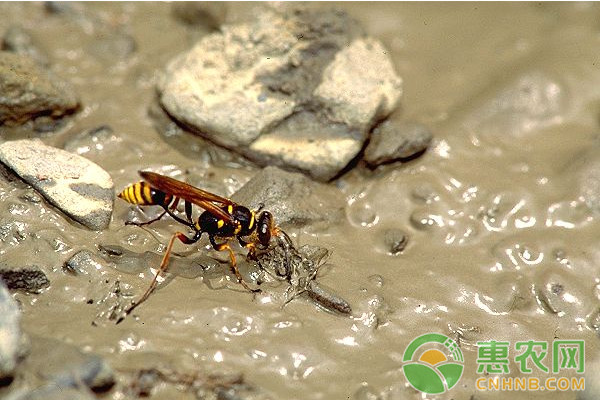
(491, 234)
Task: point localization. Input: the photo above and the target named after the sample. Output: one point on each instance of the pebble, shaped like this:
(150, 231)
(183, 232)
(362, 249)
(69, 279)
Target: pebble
(395, 240)
(28, 278)
(392, 141)
(291, 197)
(17, 40)
(11, 340)
(326, 298)
(29, 91)
(84, 262)
(207, 14)
(53, 392)
(304, 95)
(67, 366)
(75, 185)
(529, 102)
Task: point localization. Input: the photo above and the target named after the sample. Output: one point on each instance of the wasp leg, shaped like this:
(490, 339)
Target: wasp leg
(162, 268)
(234, 268)
(146, 222)
(167, 209)
(251, 249)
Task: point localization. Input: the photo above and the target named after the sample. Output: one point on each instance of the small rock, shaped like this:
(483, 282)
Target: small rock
(28, 91)
(111, 46)
(529, 102)
(92, 142)
(45, 124)
(10, 333)
(326, 298)
(395, 240)
(304, 95)
(54, 392)
(392, 141)
(291, 197)
(65, 365)
(77, 186)
(29, 278)
(84, 262)
(207, 14)
(17, 40)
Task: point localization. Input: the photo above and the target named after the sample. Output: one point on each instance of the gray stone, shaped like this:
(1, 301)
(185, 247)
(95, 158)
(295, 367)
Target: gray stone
(291, 197)
(27, 91)
(18, 41)
(203, 13)
(77, 186)
(530, 102)
(84, 262)
(11, 339)
(28, 278)
(395, 240)
(65, 365)
(298, 89)
(53, 392)
(392, 141)
(92, 142)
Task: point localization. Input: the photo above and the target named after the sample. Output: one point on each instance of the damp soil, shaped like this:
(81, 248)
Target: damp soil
(501, 243)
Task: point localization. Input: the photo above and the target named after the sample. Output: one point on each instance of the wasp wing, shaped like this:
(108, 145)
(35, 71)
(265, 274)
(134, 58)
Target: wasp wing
(194, 195)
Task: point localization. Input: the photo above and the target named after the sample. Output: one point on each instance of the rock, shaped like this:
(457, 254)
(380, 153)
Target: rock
(291, 197)
(66, 366)
(17, 40)
(113, 45)
(29, 278)
(392, 141)
(529, 102)
(395, 240)
(92, 142)
(27, 91)
(327, 298)
(53, 392)
(299, 89)
(84, 262)
(77, 186)
(207, 14)
(11, 340)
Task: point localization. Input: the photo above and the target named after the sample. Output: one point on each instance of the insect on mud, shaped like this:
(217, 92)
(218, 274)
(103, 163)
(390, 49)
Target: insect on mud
(223, 220)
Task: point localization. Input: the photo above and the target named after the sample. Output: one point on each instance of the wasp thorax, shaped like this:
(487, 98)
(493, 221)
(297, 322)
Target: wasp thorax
(264, 228)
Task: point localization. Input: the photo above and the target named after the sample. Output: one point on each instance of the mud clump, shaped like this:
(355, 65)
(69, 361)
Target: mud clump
(28, 278)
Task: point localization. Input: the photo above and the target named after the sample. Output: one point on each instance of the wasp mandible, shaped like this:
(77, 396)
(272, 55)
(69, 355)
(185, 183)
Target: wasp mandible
(223, 220)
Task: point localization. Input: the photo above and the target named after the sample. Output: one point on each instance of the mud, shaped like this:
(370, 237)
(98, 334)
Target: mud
(501, 211)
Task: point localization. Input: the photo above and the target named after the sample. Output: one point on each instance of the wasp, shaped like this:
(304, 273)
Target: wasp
(223, 220)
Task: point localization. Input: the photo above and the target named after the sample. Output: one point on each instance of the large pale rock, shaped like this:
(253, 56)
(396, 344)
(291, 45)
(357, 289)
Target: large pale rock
(75, 185)
(300, 89)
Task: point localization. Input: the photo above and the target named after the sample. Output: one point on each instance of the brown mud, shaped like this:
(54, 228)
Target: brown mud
(500, 216)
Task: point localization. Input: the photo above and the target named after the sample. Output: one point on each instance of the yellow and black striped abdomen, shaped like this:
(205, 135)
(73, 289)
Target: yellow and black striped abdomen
(143, 194)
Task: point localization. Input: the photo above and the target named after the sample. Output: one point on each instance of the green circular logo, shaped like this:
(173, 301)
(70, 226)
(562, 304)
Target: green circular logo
(429, 369)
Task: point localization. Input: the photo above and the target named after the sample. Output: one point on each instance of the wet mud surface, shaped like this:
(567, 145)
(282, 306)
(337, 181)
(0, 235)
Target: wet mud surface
(489, 234)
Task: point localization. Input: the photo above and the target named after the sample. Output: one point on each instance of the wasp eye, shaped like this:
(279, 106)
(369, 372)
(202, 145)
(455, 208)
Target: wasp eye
(265, 224)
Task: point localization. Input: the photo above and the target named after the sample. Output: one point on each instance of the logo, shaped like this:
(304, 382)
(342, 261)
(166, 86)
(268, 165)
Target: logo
(433, 363)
